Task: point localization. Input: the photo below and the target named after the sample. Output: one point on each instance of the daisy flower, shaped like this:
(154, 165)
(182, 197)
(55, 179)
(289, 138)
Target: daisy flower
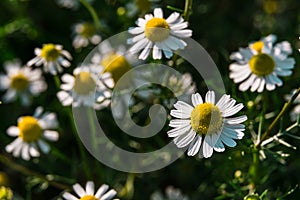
(31, 132)
(89, 192)
(84, 33)
(53, 57)
(205, 126)
(85, 87)
(259, 65)
(6, 193)
(139, 6)
(171, 194)
(296, 110)
(71, 4)
(22, 82)
(163, 35)
(115, 61)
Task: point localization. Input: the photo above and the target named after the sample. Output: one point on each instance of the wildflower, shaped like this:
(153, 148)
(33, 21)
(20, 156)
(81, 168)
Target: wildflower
(22, 82)
(138, 6)
(205, 126)
(296, 110)
(84, 33)
(85, 87)
(160, 34)
(89, 192)
(71, 4)
(113, 60)
(259, 65)
(31, 132)
(171, 194)
(52, 56)
(6, 193)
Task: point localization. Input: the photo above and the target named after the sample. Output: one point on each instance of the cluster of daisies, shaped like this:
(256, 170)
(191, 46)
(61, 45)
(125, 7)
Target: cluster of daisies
(207, 125)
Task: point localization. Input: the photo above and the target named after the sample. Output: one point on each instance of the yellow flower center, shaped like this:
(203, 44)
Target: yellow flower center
(5, 193)
(258, 46)
(88, 197)
(50, 52)
(84, 83)
(271, 6)
(262, 64)
(86, 30)
(30, 130)
(206, 118)
(143, 5)
(19, 82)
(157, 29)
(117, 65)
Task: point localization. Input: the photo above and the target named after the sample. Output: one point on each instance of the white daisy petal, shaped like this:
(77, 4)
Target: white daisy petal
(173, 17)
(13, 131)
(206, 150)
(33, 151)
(158, 13)
(196, 99)
(180, 105)
(90, 188)
(109, 195)
(69, 196)
(51, 135)
(44, 146)
(227, 141)
(175, 132)
(156, 52)
(184, 140)
(180, 114)
(210, 97)
(219, 147)
(79, 190)
(194, 146)
(233, 110)
(16, 143)
(25, 151)
(236, 120)
(179, 123)
(101, 190)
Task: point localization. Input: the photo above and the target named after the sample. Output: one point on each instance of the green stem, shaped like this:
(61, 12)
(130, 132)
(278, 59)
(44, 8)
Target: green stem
(186, 15)
(93, 14)
(81, 148)
(253, 170)
(277, 119)
(187, 9)
(92, 129)
(17, 167)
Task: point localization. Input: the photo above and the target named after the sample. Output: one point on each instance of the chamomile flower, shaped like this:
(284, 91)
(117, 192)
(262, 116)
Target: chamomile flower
(85, 87)
(71, 4)
(260, 65)
(138, 7)
(53, 57)
(6, 193)
(21, 82)
(295, 112)
(89, 192)
(31, 132)
(163, 35)
(171, 194)
(113, 60)
(205, 126)
(85, 33)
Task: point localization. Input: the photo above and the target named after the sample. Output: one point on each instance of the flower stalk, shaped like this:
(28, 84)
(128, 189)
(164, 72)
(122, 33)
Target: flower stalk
(285, 108)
